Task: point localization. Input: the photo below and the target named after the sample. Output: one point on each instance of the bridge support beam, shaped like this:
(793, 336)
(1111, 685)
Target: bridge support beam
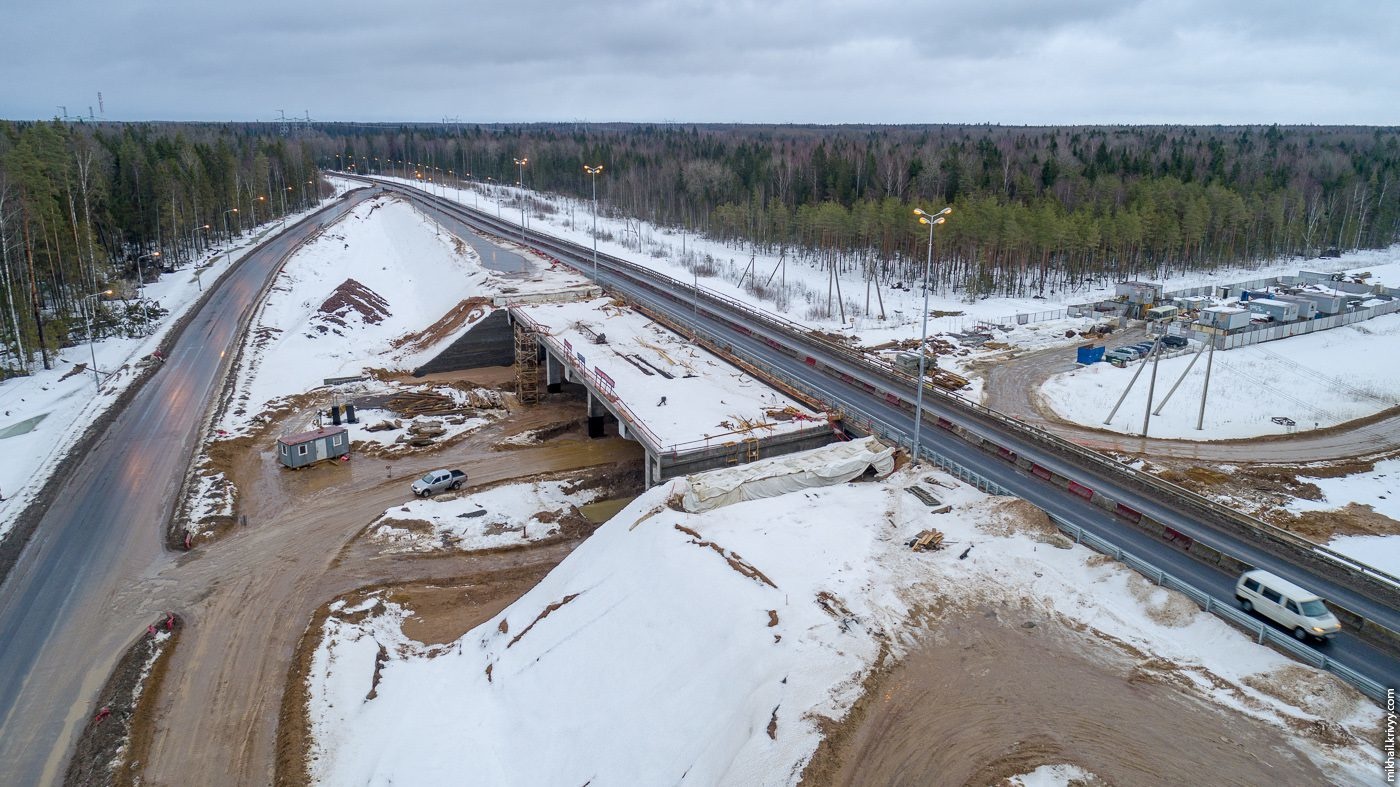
(553, 373)
(596, 413)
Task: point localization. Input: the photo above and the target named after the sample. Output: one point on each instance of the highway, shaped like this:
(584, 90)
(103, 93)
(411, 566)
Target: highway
(60, 633)
(760, 343)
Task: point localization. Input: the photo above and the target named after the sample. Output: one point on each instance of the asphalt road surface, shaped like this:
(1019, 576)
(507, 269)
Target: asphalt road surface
(759, 344)
(107, 525)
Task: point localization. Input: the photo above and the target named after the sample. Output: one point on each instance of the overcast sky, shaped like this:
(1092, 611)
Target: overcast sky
(818, 61)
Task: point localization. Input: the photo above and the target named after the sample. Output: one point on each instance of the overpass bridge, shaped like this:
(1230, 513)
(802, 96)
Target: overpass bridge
(689, 408)
(1180, 532)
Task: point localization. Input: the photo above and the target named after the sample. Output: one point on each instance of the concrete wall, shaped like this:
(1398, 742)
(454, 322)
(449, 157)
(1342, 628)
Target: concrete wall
(489, 342)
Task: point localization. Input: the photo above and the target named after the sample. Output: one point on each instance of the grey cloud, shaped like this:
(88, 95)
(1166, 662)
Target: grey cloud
(1009, 61)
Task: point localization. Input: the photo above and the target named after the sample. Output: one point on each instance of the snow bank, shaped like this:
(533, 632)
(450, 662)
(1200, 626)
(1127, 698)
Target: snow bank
(502, 516)
(703, 648)
(379, 274)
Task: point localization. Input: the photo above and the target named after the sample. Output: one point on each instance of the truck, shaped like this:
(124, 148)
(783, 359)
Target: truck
(439, 481)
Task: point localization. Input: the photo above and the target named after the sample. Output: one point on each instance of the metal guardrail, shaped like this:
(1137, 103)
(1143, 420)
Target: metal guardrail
(793, 330)
(873, 425)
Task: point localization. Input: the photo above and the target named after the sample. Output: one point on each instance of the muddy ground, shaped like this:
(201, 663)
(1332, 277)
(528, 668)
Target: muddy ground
(1266, 490)
(115, 740)
(1004, 690)
(248, 598)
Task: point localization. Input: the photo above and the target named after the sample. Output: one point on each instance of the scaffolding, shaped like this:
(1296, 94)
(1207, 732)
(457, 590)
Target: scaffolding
(527, 365)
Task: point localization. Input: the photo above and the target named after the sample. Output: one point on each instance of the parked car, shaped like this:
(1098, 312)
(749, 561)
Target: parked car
(1119, 355)
(1145, 347)
(1300, 611)
(1174, 341)
(1128, 353)
(439, 481)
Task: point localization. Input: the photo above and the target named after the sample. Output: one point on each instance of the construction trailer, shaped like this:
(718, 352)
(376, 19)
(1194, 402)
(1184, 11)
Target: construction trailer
(1140, 292)
(1278, 311)
(1226, 318)
(1327, 303)
(1192, 303)
(305, 448)
(1307, 309)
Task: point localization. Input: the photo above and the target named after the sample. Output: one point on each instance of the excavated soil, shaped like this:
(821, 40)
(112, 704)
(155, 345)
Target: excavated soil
(994, 694)
(117, 737)
(464, 313)
(350, 297)
(1013, 515)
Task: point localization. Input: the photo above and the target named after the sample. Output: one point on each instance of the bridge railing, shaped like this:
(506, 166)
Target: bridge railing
(1368, 576)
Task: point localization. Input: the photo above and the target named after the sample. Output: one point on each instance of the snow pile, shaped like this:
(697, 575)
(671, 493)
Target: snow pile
(502, 516)
(341, 301)
(704, 648)
(1324, 378)
(1053, 776)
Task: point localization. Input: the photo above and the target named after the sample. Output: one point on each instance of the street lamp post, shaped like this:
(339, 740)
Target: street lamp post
(228, 249)
(521, 162)
(932, 220)
(594, 172)
(92, 353)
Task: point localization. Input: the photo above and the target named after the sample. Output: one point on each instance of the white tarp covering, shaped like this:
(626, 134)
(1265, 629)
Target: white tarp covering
(833, 464)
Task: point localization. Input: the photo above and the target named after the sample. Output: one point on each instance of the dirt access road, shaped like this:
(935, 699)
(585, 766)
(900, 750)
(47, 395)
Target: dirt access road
(247, 598)
(1013, 384)
(988, 696)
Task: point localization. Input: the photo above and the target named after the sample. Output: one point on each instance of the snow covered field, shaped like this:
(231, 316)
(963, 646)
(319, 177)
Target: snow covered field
(44, 414)
(1324, 378)
(682, 394)
(506, 515)
(705, 647)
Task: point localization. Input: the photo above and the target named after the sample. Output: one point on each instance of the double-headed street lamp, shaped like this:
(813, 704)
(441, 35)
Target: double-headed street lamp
(521, 162)
(932, 220)
(595, 172)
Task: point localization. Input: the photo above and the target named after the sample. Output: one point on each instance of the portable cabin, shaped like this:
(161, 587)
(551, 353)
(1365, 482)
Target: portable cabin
(1278, 311)
(300, 450)
(1227, 318)
(1328, 303)
(1140, 292)
(1307, 309)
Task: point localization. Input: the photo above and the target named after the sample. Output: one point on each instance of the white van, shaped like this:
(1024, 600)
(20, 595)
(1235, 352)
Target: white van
(1298, 610)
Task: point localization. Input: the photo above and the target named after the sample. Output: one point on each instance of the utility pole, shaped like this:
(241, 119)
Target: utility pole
(1205, 389)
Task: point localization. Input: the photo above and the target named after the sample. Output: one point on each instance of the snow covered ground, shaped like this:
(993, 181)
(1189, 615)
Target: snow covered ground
(1379, 489)
(1324, 378)
(721, 266)
(682, 394)
(502, 516)
(705, 647)
(365, 295)
(675, 254)
(44, 414)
